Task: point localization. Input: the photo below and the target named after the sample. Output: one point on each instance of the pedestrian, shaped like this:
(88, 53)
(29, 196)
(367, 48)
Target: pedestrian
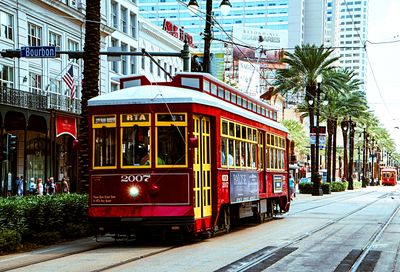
(32, 187)
(291, 186)
(52, 186)
(65, 186)
(40, 187)
(20, 186)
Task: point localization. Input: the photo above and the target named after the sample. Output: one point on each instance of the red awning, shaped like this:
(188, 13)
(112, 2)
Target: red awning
(66, 125)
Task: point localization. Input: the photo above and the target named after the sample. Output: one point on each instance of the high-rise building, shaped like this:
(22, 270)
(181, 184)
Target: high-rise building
(347, 31)
(269, 14)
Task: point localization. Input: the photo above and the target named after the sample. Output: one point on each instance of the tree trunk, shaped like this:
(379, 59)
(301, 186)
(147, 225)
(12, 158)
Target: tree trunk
(90, 84)
(310, 95)
(352, 126)
(329, 151)
(334, 149)
(345, 127)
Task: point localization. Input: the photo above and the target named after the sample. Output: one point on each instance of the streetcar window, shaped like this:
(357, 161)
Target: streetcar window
(237, 135)
(255, 107)
(237, 153)
(135, 146)
(249, 105)
(244, 133)
(243, 154)
(104, 146)
(263, 111)
(220, 92)
(258, 109)
(206, 86)
(231, 153)
(233, 98)
(223, 151)
(244, 103)
(231, 129)
(239, 100)
(224, 128)
(260, 149)
(171, 145)
(213, 89)
(227, 95)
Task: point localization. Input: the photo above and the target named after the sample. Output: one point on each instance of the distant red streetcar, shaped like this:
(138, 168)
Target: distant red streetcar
(389, 176)
(191, 155)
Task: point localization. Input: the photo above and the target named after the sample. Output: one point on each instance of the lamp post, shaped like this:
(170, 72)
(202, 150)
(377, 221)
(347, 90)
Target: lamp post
(317, 190)
(372, 162)
(364, 181)
(351, 153)
(225, 7)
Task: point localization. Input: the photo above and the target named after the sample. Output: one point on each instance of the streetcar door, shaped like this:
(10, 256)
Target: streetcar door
(202, 167)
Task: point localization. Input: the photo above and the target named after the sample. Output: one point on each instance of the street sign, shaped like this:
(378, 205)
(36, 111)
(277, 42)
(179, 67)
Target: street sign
(38, 51)
(313, 139)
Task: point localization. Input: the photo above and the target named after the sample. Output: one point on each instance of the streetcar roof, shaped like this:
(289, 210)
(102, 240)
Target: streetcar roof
(161, 94)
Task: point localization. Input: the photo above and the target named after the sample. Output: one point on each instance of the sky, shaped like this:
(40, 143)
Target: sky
(383, 82)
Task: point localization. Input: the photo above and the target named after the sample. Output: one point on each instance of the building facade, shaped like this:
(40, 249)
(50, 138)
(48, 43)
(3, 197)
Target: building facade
(37, 107)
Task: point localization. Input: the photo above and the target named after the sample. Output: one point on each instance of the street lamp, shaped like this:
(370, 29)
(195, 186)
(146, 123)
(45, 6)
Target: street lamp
(352, 126)
(364, 169)
(225, 7)
(372, 162)
(317, 190)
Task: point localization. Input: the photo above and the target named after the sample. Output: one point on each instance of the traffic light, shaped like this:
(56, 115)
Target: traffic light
(11, 142)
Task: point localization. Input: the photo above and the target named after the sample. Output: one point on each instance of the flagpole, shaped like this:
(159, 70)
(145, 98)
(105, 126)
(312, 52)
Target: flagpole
(50, 79)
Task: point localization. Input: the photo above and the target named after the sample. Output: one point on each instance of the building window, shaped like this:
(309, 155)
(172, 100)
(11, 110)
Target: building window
(34, 35)
(151, 67)
(133, 62)
(6, 23)
(35, 83)
(124, 20)
(114, 64)
(114, 87)
(55, 40)
(73, 46)
(165, 71)
(143, 62)
(124, 59)
(6, 76)
(159, 68)
(114, 14)
(133, 24)
(55, 86)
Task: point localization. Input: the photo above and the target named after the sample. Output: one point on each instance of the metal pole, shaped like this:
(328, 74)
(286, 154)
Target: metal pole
(317, 191)
(207, 37)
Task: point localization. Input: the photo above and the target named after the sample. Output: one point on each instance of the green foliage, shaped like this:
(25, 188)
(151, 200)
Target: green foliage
(299, 136)
(43, 219)
(357, 184)
(339, 186)
(9, 239)
(327, 187)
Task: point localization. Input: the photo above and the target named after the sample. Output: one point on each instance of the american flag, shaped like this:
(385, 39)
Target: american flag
(69, 80)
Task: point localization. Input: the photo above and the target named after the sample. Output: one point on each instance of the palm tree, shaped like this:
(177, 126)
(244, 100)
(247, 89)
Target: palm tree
(90, 87)
(304, 65)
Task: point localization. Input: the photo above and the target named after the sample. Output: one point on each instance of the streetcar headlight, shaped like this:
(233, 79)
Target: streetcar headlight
(134, 191)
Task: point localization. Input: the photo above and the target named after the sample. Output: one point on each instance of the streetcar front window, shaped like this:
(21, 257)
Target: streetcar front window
(171, 146)
(104, 147)
(136, 146)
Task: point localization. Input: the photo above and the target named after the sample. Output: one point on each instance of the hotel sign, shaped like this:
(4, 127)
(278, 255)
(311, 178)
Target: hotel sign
(178, 32)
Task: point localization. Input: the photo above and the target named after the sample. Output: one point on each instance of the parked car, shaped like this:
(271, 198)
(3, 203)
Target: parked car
(305, 180)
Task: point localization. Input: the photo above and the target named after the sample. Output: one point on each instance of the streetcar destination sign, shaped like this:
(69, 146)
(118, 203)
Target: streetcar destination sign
(38, 51)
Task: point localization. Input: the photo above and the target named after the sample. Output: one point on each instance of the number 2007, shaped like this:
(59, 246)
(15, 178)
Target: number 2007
(135, 178)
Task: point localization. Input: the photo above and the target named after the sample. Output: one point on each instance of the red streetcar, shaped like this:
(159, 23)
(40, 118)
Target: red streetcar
(389, 176)
(191, 155)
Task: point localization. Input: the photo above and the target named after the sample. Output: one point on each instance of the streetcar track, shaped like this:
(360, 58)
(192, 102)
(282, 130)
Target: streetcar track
(329, 203)
(367, 249)
(250, 265)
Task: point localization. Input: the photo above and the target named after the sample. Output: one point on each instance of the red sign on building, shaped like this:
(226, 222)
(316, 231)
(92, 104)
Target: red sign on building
(178, 32)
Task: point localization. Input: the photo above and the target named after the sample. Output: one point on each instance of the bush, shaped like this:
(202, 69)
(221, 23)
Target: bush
(326, 187)
(44, 219)
(305, 188)
(9, 240)
(339, 186)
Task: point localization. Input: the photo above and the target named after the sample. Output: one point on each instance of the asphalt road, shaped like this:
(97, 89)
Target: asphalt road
(348, 231)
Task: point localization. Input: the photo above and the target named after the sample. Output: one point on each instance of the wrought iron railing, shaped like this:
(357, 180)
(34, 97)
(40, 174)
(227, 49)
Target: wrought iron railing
(39, 100)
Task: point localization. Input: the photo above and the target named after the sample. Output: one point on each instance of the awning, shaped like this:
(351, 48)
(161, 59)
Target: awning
(66, 125)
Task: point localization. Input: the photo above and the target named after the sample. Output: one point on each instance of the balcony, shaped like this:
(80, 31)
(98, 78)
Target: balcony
(39, 101)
